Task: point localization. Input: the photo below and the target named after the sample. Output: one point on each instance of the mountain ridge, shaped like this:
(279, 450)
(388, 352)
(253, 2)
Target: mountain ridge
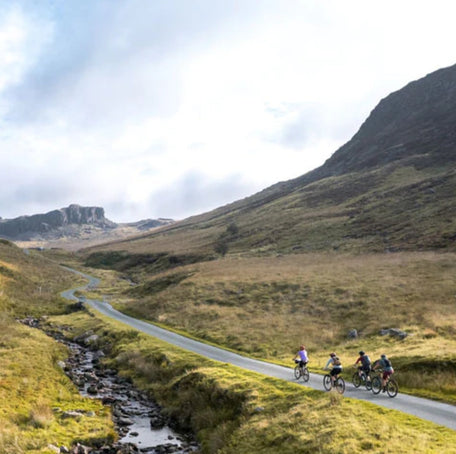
(391, 187)
(66, 227)
(42, 223)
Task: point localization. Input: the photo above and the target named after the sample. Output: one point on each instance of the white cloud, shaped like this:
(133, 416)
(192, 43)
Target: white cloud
(170, 108)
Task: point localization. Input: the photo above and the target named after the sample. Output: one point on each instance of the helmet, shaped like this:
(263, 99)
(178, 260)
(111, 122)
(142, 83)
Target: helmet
(301, 347)
(383, 356)
(332, 354)
(361, 353)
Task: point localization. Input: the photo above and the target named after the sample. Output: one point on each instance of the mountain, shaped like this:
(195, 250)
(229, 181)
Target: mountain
(72, 227)
(390, 188)
(27, 226)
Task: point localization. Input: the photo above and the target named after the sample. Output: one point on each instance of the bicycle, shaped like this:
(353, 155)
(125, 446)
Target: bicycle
(338, 384)
(301, 371)
(391, 386)
(362, 378)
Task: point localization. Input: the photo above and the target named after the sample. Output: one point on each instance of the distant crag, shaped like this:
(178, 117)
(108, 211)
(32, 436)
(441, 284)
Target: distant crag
(25, 227)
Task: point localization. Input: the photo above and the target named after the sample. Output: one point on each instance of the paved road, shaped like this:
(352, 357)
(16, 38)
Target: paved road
(443, 414)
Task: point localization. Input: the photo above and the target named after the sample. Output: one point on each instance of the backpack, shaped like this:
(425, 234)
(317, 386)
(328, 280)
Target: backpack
(336, 361)
(365, 360)
(387, 363)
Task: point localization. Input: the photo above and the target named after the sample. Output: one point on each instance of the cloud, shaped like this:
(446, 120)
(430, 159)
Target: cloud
(195, 192)
(107, 66)
(144, 106)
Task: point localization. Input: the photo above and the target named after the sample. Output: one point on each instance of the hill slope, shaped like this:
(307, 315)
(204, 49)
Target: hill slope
(390, 188)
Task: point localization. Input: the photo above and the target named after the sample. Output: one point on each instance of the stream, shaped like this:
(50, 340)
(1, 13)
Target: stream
(138, 420)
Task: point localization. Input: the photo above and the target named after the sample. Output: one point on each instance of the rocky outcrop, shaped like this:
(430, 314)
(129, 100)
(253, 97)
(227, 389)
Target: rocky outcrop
(72, 228)
(42, 223)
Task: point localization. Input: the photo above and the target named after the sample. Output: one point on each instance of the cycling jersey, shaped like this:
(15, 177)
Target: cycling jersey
(303, 355)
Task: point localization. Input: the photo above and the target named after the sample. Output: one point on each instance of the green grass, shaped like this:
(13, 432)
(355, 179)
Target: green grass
(34, 391)
(239, 412)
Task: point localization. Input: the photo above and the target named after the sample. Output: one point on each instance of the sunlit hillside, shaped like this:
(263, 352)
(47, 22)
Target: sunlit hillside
(364, 242)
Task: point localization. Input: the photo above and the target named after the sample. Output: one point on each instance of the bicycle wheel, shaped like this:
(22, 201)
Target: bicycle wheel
(392, 388)
(368, 383)
(339, 384)
(327, 382)
(376, 385)
(305, 374)
(356, 380)
(297, 372)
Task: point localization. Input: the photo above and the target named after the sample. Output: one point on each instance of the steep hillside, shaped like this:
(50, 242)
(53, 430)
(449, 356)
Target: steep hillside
(390, 188)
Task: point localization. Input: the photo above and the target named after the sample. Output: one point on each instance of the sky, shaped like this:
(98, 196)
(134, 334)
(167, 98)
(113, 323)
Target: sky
(170, 108)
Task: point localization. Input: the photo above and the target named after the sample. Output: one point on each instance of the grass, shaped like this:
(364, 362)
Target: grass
(267, 306)
(239, 412)
(398, 207)
(34, 391)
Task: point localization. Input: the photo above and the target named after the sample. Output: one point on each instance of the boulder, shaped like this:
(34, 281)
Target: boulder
(394, 332)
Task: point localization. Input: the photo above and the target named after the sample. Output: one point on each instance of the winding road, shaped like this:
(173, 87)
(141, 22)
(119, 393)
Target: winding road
(439, 413)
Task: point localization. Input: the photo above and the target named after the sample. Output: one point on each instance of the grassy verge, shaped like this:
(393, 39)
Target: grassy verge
(235, 411)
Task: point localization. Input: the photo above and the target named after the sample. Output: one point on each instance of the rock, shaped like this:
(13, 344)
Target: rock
(93, 390)
(352, 334)
(393, 332)
(72, 414)
(80, 449)
(157, 422)
(61, 364)
(53, 448)
(91, 339)
(124, 421)
(128, 448)
(108, 400)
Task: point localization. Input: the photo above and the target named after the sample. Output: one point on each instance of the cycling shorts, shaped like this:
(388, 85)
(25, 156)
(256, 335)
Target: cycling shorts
(387, 373)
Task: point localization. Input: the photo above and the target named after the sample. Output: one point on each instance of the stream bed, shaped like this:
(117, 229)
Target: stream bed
(138, 420)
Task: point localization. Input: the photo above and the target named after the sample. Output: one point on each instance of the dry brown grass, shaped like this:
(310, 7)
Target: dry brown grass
(276, 303)
(267, 306)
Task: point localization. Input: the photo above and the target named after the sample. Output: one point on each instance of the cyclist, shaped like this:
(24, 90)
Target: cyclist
(365, 365)
(336, 366)
(385, 364)
(302, 355)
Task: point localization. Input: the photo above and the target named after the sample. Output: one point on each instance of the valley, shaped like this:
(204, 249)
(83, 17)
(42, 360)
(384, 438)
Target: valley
(358, 254)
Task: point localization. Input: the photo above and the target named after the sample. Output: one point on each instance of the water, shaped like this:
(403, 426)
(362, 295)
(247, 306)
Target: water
(137, 419)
